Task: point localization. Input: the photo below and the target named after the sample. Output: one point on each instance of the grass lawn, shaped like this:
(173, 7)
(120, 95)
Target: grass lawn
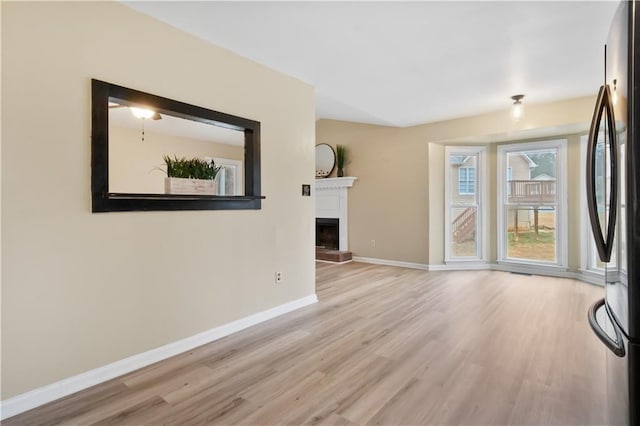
(465, 248)
(527, 247)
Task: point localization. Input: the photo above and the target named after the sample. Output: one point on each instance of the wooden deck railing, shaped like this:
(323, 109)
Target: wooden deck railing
(531, 191)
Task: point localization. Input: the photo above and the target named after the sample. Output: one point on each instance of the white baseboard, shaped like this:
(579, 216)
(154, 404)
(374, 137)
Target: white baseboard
(458, 266)
(558, 272)
(462, 266)
(28, 400)
(591, 277)
(553, 271)
(442, 267)
(585, 276)
(391, 263)
(334, 263)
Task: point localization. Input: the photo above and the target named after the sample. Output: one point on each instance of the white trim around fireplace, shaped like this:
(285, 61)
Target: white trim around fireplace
(331, 203)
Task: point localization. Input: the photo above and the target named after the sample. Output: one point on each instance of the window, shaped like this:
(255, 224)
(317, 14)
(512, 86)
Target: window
(531, 203)
(230, 179)
(590, 260)
(465, 220)
(467, 180)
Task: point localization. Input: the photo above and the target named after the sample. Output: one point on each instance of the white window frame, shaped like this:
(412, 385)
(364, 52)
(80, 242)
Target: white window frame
(588, 251)
(239, 172)
(561, 205)
(481, 197)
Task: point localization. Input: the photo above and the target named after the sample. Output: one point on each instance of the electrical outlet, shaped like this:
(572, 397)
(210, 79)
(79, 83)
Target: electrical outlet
(373, 243)
(278, 277)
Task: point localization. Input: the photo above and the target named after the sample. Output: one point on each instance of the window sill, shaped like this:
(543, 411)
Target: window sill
(531, 267)
(463, 260)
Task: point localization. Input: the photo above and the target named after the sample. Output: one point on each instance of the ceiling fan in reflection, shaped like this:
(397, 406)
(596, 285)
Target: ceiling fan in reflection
(142, 113)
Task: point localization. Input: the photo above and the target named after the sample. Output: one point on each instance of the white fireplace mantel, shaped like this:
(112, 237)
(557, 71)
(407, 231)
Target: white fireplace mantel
(331, 203)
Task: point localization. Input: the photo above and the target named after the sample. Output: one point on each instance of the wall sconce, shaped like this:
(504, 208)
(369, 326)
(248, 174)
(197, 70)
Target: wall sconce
(614, 95)
(517, 111)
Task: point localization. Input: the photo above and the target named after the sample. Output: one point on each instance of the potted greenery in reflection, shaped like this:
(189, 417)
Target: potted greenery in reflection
(195, 176)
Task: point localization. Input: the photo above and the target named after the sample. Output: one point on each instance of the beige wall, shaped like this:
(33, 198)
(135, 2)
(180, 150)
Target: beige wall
(388, 202)
(81, 290)
(398, 199)
(138, 167)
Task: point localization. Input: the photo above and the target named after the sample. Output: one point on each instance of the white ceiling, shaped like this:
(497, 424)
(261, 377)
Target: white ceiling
(407, 63)
(170, 125)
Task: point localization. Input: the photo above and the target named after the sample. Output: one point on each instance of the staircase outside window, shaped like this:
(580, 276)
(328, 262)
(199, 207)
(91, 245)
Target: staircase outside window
(464, 186)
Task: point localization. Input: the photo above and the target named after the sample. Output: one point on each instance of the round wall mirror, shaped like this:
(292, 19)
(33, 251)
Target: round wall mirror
(325, 160)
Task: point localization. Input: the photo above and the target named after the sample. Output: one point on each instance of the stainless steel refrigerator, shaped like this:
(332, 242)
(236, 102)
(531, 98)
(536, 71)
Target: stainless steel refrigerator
(613, 197)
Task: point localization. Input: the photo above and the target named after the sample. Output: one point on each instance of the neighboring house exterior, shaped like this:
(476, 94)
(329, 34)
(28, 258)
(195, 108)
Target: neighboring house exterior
(464, 176)
(519, 167)
(544, 176)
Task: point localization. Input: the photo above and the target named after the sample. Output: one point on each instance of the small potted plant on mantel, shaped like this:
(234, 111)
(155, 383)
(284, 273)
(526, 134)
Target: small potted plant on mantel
(193, 176)
(341, 159)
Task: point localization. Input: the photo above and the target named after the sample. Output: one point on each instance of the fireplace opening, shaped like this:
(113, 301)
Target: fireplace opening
(327, 233)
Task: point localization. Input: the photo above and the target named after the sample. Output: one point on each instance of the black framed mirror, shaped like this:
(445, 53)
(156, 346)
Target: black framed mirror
(325, 160)
(153, 153)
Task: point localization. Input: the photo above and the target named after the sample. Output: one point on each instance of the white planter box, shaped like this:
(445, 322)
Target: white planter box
(190, 186)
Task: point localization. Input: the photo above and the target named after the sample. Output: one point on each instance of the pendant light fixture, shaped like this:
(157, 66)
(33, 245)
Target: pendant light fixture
(517, 111)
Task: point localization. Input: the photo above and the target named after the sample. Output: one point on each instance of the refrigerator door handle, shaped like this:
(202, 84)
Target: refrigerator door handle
(615, 346)
(603, 244)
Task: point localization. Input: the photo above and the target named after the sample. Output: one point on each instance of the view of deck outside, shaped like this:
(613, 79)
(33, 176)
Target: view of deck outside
(530, 207)
(525, 242)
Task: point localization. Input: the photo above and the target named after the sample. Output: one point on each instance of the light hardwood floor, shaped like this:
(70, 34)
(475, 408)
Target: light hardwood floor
(384, 345)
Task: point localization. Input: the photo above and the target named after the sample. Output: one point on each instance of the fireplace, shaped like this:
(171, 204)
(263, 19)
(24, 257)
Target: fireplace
(331, 201)
(328, 233)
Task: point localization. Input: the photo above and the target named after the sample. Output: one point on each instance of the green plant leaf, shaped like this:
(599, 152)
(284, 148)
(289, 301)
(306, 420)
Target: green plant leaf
(190, 168)
(341, 156)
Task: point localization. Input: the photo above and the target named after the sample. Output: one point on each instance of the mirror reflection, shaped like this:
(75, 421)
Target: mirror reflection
(325, 160)
(144, 144)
